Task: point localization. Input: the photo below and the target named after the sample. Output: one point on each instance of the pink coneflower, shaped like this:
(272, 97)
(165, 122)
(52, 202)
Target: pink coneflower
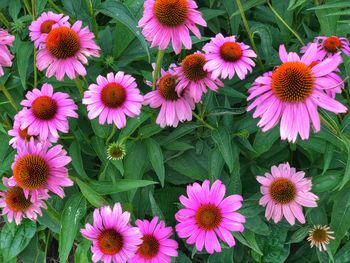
(38, 169)
(328, 46)
(19, 136)
(5, 56)
(193, 77)
(66, 50)
(292, 93)
(156, 243)
(43, 25)
(170, 20)
(113, 98)
(17, 206)
(225, 57)
(207, 214)
(173, 108)
(285, 191)
(47, 112)
(113, 238)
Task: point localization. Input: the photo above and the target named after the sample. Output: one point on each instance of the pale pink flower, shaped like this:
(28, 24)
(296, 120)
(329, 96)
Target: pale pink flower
(113, 98)
(40, 27)
(173, 108)
(38, 169)
(226, 57)
(293, 92)
(207, 214)
(194, 78)
(65, 51)
(157, 246)
(329, 46)
(113, 238)
(46, 112)
(17, 206)
(285, 192)
(171, 20)
(5, 55)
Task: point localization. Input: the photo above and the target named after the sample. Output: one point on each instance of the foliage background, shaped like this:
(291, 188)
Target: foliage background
(160, 162)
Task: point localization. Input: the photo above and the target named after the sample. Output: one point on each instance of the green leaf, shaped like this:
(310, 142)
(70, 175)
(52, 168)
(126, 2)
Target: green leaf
(119, 186)
(299, 235)
(276, 250)
(90, 194)
(293, 4)
(328, 23)
(226, 255)
(264, 140)
(77, 161)
(14, 8)
(120, 13)
(81, 254)
(132, 124)
(23, 53)
(14, 242)
(326, 182)
(179, 132)
(222, 139)
(343, 254)
(216, 164)
(33, 253)
(340, 219)
(74, 210)
(156, 211)
(156, 157)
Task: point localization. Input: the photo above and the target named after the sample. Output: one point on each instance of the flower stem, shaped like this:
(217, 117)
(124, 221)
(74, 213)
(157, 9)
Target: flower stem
(204, 123)
(4, 20)
(285, 24)
(8, 96)
(54, 6)
(159, 61)
(114, 130)
(27, 6)
(250, 35)
(79, 86)
(92, 14)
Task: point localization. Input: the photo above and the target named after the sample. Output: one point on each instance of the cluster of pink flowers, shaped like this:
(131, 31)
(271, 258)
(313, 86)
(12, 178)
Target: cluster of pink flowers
(207, 215)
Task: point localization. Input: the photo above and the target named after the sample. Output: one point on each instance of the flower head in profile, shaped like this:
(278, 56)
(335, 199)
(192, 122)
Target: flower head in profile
(17, 206)
(20, 136)
(116, 151)
(285, 193)
(320, 236)
(194, 78)
(329, 46)
(65, 51)
(113, 238)
(174, 108)
(113, 98)
(166, 21)
(5, 55)
(40, 27)
(208, 215)
(156, 243)
(46, 113)
(226, 57)
(38, 169)
(293, 92)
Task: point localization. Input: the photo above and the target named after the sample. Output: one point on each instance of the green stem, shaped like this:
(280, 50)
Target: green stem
(92, 14)
(114, 130)
(159, 61)
(27, 6)
(4, 20)
(33, 9)
(204, 123)
(250, 35)
(79, 86)
(54, 6)
(285, 23)
(8, 96)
